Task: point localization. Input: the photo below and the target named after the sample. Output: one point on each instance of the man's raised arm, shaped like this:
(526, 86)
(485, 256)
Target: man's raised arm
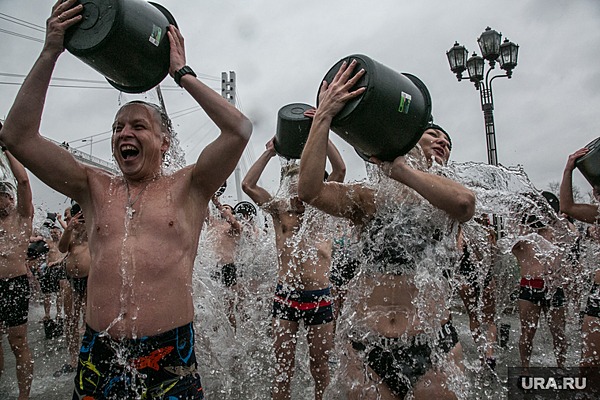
(52, 164)
(580, 211)
(24, 195)
(218, 160)
(250, 186)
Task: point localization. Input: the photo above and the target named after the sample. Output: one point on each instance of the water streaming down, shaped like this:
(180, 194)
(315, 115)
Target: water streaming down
(240, 364)
(508, 194)
(6, 174)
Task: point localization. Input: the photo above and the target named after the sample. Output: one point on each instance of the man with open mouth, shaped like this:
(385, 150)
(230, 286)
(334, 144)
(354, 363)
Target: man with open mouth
(143, 226)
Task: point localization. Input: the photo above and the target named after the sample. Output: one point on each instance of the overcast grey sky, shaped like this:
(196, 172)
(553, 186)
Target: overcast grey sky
(280, 51)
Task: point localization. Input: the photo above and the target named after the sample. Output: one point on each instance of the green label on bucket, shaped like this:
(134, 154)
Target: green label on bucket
(404, 103)
(156, 35)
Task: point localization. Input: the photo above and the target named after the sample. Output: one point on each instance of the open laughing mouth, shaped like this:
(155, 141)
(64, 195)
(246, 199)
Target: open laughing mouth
(128, 151)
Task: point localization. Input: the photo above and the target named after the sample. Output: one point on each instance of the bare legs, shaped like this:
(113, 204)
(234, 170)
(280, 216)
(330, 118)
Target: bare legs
(17, 338)
(590, 352)
(320, 343)
(530, 315)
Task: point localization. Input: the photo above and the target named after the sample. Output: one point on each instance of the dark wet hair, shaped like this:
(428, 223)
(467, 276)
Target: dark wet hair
(8, 188)
(552, 200)
(162, 114)
(37, 249)
(50, 221)
(431, 125)
(549, 208)
(75, 208)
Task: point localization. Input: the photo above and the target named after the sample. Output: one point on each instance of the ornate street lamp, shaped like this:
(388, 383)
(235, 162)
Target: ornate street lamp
(475, 66)
(489, 44)
(492, 49)
(457, 57)
(508, 56)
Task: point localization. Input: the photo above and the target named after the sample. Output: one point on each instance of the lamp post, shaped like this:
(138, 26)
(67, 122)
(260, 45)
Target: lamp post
(492, 50)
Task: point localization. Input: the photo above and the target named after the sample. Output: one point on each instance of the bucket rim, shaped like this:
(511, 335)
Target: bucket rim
(594, 144)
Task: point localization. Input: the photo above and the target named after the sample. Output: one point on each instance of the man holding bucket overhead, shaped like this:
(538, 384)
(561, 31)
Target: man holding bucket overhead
(143, 227)
(16, 218)
(400, 335)
(589, 213)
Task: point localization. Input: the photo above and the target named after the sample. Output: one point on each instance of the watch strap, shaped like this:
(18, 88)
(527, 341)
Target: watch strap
(181, 72)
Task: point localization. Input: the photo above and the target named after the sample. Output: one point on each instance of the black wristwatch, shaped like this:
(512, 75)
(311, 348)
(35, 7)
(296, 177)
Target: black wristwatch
(181, 72)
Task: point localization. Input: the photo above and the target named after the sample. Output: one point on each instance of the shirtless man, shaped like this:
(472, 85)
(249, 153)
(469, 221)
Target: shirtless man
(52, 279)
(394, 323)
(540, 257)
(143, 226)
(225, 231)
(476, 285)
(303, 289)
(16, 217)
(590, 353)
(74, 243)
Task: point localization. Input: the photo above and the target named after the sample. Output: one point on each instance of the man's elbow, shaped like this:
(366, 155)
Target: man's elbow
(566, 207)
(244, 129)
(465, 207)
(308, 193)
(250, 189)
(338, 175)
(23, 181)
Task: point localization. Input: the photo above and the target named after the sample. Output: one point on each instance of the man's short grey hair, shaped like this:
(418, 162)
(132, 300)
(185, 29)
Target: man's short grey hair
(164, 118)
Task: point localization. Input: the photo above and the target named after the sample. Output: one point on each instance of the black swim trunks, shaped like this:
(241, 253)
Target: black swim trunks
(314, 307)
(14, 301)
(401, 365)
(79, 285)
(152, 367)
(593, 302)
(50, 277)
(541, 297)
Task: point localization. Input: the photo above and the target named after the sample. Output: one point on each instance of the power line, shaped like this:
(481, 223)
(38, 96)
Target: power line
(21, 35)
(21, 22)
(85, 145)
(41, 29)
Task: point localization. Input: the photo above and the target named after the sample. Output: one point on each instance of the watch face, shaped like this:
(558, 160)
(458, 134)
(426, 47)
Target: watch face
(181, 72)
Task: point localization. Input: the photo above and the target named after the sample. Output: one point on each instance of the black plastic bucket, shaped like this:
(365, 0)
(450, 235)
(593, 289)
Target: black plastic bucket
(124, 40)
(388, 119)
(292, 130)
(245, 208)
(589, 164)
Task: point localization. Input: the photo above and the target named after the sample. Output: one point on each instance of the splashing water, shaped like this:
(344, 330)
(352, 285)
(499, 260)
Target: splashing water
(239, 364)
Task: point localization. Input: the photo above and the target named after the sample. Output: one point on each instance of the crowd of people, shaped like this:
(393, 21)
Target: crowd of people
(370, 269)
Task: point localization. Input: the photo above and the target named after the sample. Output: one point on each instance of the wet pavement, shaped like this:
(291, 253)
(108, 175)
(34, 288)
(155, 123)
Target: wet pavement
(49, 355)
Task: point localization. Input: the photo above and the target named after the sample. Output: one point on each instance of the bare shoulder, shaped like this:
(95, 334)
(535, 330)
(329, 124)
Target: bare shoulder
(275, 206)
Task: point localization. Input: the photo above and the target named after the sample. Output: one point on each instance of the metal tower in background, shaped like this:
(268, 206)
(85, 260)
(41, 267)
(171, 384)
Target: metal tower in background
(228, 93)
(228, 86)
